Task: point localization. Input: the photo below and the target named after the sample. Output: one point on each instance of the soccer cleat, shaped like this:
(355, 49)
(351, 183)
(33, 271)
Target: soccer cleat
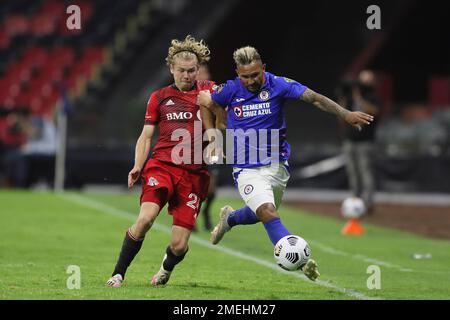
(115, 281)
(222, 226)
(161, 278)
(311, 270)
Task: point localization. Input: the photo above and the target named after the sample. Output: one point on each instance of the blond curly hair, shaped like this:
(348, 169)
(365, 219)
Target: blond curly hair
(188, 49)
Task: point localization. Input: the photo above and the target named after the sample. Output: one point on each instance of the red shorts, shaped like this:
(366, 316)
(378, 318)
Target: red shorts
(184, 190)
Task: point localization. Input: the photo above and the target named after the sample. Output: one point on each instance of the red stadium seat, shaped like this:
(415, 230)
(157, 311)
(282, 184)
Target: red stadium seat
(94, 54)
(4, 94)
(63, 55)
(7, 102)
(19, 72)
(5, 40)
(3, 127)
(71, 82)
(14, 90)
(52, 72)
(5, 85)
(83, 69)
(5, 91)
(54, 8)
(16, 24)
(33, 79)
(40, 80)
(36, 56)
(439, 91)
(23, 99)
(42, 85)
(9, 86)
(36, 105)
(49, 104)
(43, 24)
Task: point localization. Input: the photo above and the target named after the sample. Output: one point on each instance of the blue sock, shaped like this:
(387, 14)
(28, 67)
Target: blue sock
(276, 230)
(244, 215)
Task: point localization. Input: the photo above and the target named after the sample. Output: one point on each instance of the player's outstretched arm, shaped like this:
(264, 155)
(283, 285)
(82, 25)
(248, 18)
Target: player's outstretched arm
(355, 118)
(141, 153)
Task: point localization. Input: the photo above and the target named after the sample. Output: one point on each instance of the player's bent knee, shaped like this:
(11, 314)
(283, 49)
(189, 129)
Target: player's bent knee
(266, 212)
(178, 248)
(180, 238)
(145, 222)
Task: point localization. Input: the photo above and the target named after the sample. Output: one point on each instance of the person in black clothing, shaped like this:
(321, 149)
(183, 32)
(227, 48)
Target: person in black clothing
(358, 146)
(14, 126)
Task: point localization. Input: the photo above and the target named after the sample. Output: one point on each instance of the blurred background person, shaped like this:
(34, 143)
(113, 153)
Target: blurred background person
(203, 72)
(40, 151)
(13, 135)
(358, 146)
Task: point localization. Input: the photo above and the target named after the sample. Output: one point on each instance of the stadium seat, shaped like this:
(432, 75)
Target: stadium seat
(439, 91)
(94, 54)
(38, 54)
(16, 24)
(43, 24)
(62, 55)
(49, 104)
(5, 40)
(54, 8)
(84, 68)
(19, 72)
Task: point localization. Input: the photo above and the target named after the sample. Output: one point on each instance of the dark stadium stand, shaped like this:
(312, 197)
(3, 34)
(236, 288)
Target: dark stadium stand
(41, 59)
(110, 66)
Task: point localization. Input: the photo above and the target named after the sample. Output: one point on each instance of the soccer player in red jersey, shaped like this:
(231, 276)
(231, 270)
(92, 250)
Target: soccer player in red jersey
(176, 174)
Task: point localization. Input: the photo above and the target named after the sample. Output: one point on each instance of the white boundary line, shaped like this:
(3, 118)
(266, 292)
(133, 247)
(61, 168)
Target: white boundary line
(361, 257)
(107, 209)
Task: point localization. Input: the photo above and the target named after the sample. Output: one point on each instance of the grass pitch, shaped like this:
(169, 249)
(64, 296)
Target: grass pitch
(43, 233)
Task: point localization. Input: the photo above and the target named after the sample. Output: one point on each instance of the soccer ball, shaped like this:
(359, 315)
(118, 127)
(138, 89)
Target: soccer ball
(353, 208)
(291, 252)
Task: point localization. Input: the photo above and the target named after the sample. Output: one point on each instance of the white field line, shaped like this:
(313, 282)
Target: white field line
(331, 250)
(107, 209)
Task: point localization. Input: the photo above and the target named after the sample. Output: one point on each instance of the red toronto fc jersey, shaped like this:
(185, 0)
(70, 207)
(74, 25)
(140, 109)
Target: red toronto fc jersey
(177, 115)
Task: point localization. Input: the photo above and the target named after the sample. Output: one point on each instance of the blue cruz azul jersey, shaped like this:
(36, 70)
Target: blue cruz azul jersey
(256, 119)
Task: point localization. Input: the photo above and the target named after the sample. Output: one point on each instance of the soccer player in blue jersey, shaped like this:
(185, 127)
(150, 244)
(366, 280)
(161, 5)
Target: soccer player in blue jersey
(254, 102)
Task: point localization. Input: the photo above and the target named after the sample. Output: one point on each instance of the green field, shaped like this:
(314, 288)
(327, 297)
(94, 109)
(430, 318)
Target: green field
(42, 234)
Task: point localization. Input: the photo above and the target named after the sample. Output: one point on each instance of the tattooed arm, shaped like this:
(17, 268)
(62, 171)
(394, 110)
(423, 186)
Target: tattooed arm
(356, 119)
(323, 103)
